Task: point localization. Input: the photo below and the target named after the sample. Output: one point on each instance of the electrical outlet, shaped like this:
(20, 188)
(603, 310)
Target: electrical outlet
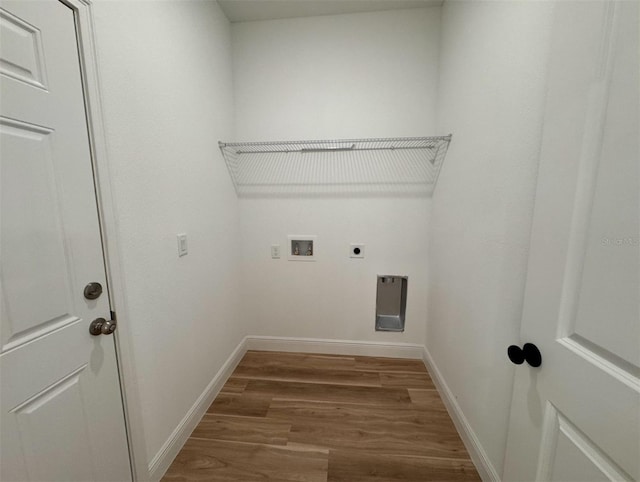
(182, 245)
(275, 251)
(356, 251)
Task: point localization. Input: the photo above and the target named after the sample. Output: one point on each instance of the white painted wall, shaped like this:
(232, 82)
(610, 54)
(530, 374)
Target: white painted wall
(491, 92)
(167, 85)
(340, 76)
(335, 296)
(357, 75)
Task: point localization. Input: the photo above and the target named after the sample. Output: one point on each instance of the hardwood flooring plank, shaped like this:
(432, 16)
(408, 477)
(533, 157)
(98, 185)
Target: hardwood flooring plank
(390, 364)
(407, 380)
(396, 430)
(327, 392)
(207, 460)
(429, 399)
(332, 362)
(245, 404)
(309, 375)
(234, 385)
(418, 443)
(242, 429)
(363, 438)
(314, 361)
(347, 466)
(390, 415)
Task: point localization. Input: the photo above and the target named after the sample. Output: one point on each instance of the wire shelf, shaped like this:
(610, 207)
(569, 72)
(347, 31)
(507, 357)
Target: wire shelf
(399, 165)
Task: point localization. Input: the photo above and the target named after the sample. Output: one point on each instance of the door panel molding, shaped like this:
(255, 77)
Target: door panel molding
(608, 362)
(52, 259)
(16, 31)
(20, 338)
(590, 156)
(44, 410)
(34, 402)
(556, 425)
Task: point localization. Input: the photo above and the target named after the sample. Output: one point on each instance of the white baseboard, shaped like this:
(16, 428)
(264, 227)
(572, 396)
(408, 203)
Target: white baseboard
(480, 458)
(334, 347)
(170, 449)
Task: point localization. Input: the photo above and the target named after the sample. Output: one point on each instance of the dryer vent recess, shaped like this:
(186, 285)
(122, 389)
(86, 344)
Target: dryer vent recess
(391, 302)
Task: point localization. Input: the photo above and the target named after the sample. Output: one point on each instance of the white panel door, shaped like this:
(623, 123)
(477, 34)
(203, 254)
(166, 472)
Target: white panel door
(577, 416)
(61, 410)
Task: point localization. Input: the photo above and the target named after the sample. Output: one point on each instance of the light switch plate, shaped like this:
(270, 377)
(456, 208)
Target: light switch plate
(275, 251)
(356, 250)
(182, 245)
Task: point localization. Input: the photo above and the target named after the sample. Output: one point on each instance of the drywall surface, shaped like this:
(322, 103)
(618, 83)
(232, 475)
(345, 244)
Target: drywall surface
(167, 88)
(343, 76)
(491, 93)
(333, 297)
(355, 75)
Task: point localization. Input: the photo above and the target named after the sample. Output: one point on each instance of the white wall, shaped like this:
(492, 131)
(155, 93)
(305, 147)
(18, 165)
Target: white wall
(335, 296)
(167, 85)
(491, 92)
(357, 75)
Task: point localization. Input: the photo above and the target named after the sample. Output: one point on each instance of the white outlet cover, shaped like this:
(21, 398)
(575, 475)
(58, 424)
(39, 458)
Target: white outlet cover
(275, 251)
(356, 250)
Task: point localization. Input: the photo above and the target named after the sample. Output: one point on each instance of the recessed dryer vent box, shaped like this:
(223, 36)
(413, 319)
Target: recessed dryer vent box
(301, 247)
(391, 302)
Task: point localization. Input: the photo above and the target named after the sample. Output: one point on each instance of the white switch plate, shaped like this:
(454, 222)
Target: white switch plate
(182, 245)
(356, 250)
(275, 251)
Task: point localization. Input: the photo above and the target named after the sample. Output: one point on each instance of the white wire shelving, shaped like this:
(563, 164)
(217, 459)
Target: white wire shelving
(398, 165)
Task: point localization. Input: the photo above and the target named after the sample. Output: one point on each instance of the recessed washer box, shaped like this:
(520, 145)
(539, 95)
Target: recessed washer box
(301, 247)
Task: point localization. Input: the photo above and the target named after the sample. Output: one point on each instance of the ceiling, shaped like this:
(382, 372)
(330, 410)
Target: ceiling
(251, 10)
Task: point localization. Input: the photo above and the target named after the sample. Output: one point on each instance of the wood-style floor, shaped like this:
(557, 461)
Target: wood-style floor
(325, 418)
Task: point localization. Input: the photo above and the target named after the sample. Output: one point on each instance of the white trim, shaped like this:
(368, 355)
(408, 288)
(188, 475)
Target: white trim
(172, 446)
(334, 347)
(479, 457)
(108, 225)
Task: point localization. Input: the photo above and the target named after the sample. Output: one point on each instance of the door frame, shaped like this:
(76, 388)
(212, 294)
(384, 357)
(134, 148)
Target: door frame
(107, 214)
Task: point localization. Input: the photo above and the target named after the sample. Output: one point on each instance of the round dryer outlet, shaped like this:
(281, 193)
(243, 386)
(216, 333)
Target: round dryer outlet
(356, 250)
